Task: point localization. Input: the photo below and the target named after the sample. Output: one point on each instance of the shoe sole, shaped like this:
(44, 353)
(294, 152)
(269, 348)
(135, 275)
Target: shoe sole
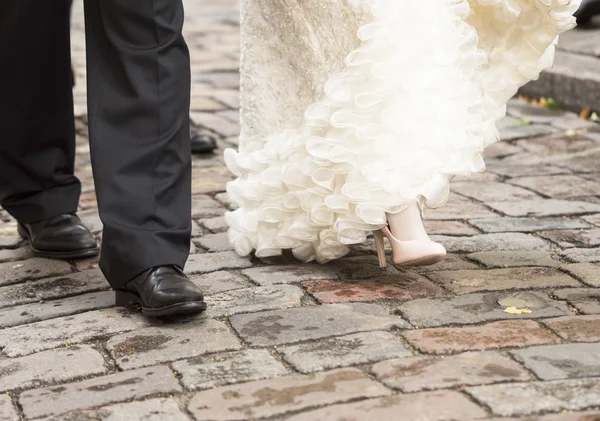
(60, 255)
(131, 300)
(424, 261)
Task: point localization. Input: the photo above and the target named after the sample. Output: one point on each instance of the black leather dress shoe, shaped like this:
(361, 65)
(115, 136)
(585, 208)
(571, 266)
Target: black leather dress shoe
(202, 143)
(162, 291)
(61, 237)
(587, 10)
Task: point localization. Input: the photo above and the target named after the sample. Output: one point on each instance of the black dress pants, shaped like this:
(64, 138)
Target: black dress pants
(138, 112)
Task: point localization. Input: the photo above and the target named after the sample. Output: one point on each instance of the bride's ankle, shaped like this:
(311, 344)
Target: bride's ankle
(408, 225)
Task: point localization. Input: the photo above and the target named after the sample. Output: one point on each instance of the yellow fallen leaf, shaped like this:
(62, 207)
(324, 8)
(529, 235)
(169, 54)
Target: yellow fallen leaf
(514, 310)
(585, 113)
(18, 266)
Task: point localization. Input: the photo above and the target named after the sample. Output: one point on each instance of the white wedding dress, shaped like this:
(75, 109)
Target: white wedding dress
(354, 108)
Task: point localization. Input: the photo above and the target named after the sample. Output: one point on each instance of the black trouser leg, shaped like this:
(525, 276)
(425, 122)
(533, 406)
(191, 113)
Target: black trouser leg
(138, 112)
(37, 135)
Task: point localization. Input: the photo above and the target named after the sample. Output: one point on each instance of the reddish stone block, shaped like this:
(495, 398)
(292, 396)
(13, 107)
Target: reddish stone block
(576, 328)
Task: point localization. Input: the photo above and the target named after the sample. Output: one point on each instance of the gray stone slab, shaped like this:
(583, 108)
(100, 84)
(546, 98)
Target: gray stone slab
(525, 131)
(491, 191)
(315, 322)
(578, 255)
(567, 361)
(588, 273)
(570, 416)
(214, 242)
(426, 373)
(215, 225)
(226, 200)
(559, 186)
(275, 397)
(360, 267)
(477, 308)
(35, 337)
(544, 207)
(211, 262)
(451, 262)
(29, 313)
(512, 241)
(161, 409)
(215, 282)
(251, 300)
(523, 110)
(57, 365)
(507, 259)
(517, 399)
(573, 238)
(443, 405)
(31, 269)
(53, 288)
(585, 300)
(204, 207)
(469, 281)
(459, 207)
(290, 274)
(15, 255)
(508, 170)
(91, 219)
(225, 368)
(343, 351)
(593, 219)
(170, 342)
(584, 163)
(507, 224)
(7, 409)
(120, 387)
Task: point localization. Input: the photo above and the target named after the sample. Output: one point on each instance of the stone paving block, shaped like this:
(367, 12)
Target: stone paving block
(9, 237)
(477, 308)
(425, 373)
(209, 180)
(588, 273)
(451, 262)
(342, 351)
(507, 259)
(226, 200)
(215, 282)
(216, 123)
(557, 144)
(469, 281)
(508, 224)
(169, 342)
(360, 267)
(449, 228)
(161, 409)
(566, 361)
(53, 288)
(592, 219)
(215, 225)
(57, 365)
(10, 255)
(205, 207)
(32, 269)
(300, 324)
(289, 274)
(576, 328)
(558, 186)
(529, 398)
(402, 286)
(443, 405)
(120, 387)
(251, 300)
(544, 207)
(461, 208)
(91, 220)
(35, 337)
(29, 313)
(571, 416)
(586, 162)
(492, 242)
(214, 242)
(267, 398)
(7, 409)
(502, 334)
(569, 238)
(523, 131)
(585, 300)
(491, 191)
(579, 255)
(211, 262)
(206, 372)
(516, 170)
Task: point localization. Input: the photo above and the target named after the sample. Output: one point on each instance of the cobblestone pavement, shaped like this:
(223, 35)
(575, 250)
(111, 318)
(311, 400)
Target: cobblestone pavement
(344, 341)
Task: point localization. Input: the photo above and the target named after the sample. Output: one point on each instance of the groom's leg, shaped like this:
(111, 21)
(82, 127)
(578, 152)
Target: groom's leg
(138, 105)
(37, 138)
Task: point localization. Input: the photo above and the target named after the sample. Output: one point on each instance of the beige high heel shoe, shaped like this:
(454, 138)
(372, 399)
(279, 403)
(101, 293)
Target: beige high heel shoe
(408, 253)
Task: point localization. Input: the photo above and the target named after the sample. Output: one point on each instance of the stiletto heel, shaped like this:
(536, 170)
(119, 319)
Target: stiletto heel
(380, 246)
